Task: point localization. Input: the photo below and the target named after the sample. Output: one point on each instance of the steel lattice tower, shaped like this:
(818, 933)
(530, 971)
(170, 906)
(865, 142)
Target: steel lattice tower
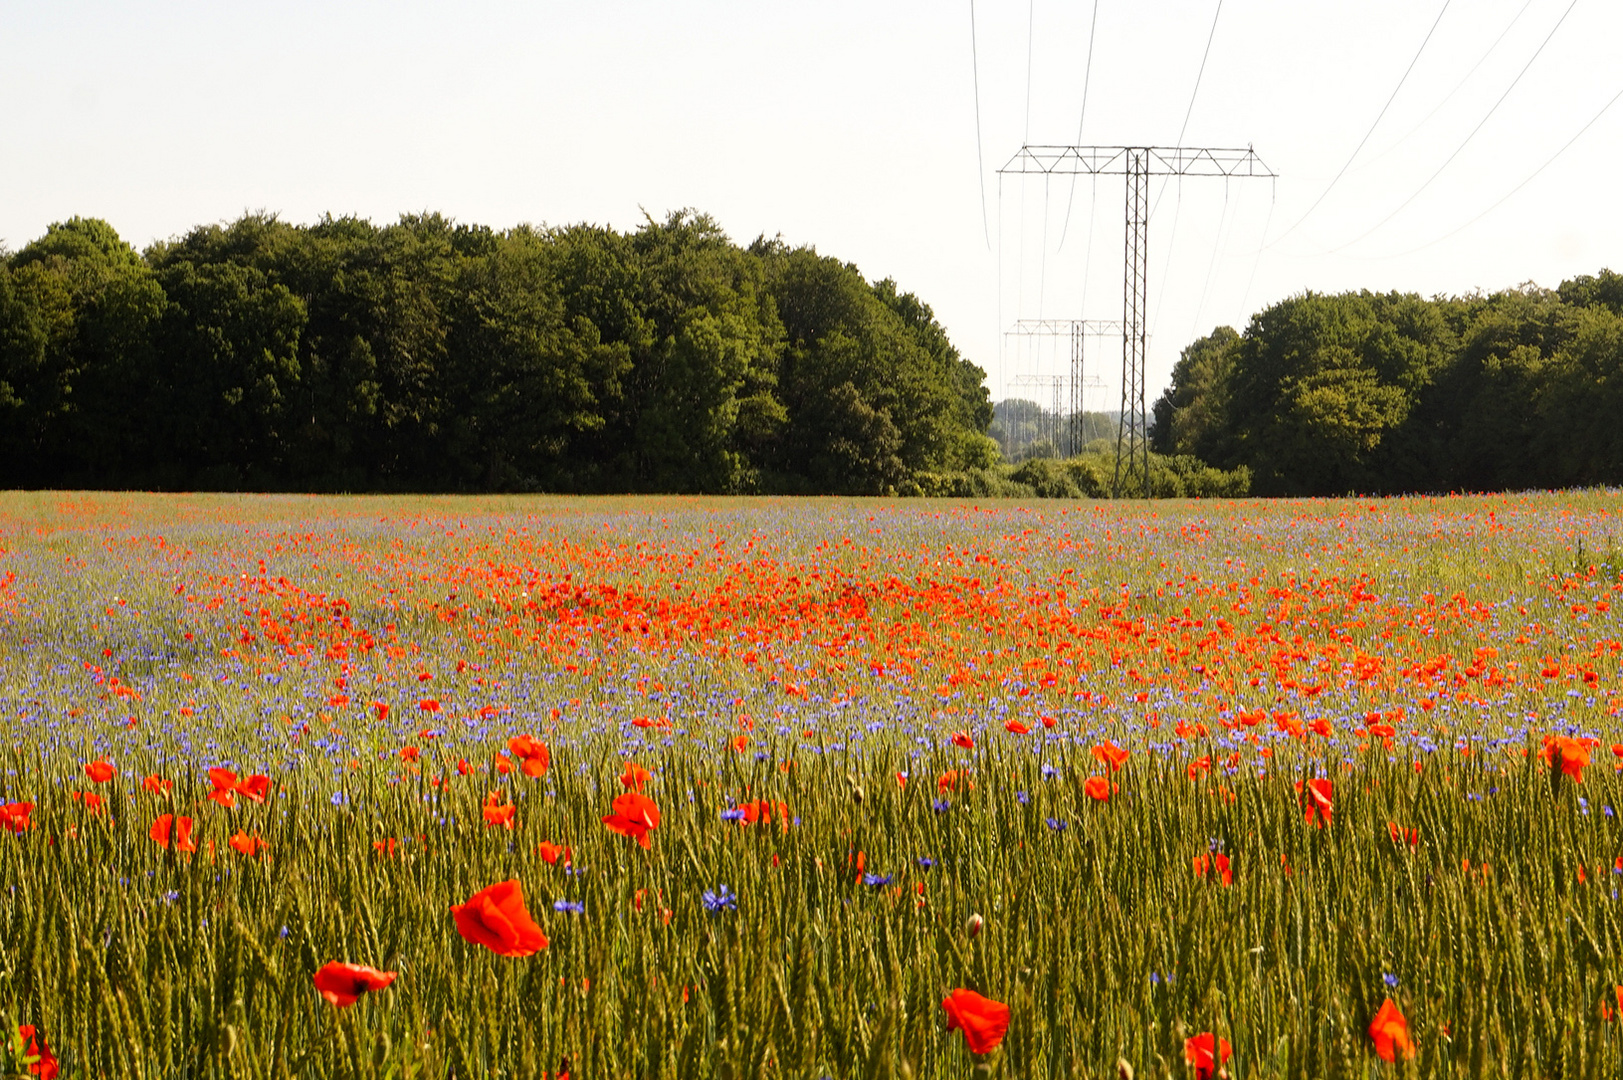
(1137, 164)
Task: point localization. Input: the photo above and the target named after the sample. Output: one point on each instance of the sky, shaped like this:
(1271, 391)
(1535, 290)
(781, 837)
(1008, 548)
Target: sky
(873, 131)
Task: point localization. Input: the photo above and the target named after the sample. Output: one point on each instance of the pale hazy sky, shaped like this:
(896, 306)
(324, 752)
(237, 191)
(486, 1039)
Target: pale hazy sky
(852, 126)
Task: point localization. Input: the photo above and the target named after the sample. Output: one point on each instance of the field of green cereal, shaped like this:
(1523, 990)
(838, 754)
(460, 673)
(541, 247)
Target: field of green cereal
(1323, 782)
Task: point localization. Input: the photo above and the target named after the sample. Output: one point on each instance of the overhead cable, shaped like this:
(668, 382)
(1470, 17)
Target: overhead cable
(1350, 157)
(1466, 141)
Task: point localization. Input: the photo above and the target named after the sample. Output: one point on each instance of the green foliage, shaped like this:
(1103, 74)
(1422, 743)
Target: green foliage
(431, 355)
(1364, 392)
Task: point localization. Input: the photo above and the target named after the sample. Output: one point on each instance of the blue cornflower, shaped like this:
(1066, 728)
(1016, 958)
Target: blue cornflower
(574, 906)
(716, 901)
(1389, 979)
(925, 861)
(1056, 824)
(1049, 771)
(941, 806)
(876, 879)
(735, 814)
(1022, 798)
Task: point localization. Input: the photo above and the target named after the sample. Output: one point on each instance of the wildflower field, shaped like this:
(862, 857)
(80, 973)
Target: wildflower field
(688, 788)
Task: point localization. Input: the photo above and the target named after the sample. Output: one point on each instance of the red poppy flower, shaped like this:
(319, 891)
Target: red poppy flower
(495, 918)
(553, 852)
(635, 814)
(962, 739)
(343, 984)
(181, 828)
(531, 754)
(1224, 871)
(250, 846)
(1318, 803)
(497, 814)
(1110, 754)
(429, 705)
(157, 785)
(225, 787)
(982, 1020)
(1198, 1052)
(1400, 835)
(1566, 754)
(100, 772)
(1097, 788)
(1017, 727)
(14, 815)
(255, 788)
(633, 776)
(1390, 1031)
(37, 1052)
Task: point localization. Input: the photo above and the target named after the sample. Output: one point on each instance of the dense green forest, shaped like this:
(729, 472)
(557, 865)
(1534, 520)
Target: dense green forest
(429, 355)
(1359, 392)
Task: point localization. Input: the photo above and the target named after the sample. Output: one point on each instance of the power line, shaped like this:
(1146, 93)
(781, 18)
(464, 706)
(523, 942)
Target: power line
(1467, 138)
(1198, 75)
(1031, 26)
(980, 161)
(1483, 59)
(1531, 177)
(1256, 262)
(1372, 127)
(1172, 238)
(1087, 77)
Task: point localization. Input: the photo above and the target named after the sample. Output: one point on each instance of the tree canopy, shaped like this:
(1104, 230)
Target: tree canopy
(432, 355)
(1365, 392)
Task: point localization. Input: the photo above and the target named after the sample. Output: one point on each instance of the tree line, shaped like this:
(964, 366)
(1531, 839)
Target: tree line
(1365, 392)
(432, 355)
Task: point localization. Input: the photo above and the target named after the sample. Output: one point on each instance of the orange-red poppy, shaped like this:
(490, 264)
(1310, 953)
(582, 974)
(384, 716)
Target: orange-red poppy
(495, 813)
(250, 846)
(1567, 755)
(962, 740)
(1110, 754)
(553, 852)
(343, 984)
(181, 828)
(14, 815)
(37, 1052)
(633, 776)
(1097, 788)
(635, 815)
(1318, 802)
(1197, 1052)
(255, 788)
(495, 917)
(1217, 864)
(1017, 727)
(982, 1020)
(157, 785)
(1390, 1031)
(1400, 835)
(225, 787)
(100, 772)
(530, 753)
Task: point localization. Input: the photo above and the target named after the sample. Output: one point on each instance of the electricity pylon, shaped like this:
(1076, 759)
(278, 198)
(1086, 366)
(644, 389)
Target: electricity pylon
(1078, 330)
(1137, 164)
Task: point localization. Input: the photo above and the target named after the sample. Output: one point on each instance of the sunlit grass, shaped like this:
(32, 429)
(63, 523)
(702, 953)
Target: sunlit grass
(815, 653)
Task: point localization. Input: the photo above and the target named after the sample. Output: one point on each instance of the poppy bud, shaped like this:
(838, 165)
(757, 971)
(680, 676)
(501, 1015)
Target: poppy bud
(974, 925)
